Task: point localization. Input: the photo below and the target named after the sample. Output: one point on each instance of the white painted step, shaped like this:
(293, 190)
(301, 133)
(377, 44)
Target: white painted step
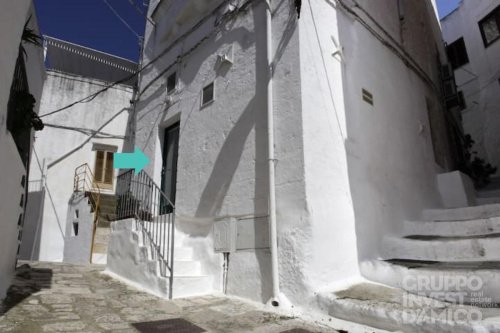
(487, 200)
(187, 267)
(385, 308)
(467, 278)
(460, 214)
(186, 286)
(181, 268)
(183, 253)
(99, 258)
(482, 248)
(453, 228)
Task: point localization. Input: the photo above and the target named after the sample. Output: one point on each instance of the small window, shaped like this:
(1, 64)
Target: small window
(457, 53)
(75, 228)
(207, 94)
(171, 82)
(103, 170)
(490, 27)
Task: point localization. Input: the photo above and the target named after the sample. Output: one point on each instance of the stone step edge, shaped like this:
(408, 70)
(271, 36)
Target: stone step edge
(480, 249)
(462, 213)
(476, 227)
(389, 315)
(415, 280)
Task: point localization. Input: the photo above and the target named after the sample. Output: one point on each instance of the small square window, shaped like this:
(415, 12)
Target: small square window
(171, 82)
(207, 94)
(490, 27)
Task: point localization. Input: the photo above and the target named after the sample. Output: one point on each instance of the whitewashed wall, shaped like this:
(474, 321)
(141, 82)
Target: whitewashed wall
(390, 157)
(13, 16)
(479, 78)
(52, 143)
(346, 173)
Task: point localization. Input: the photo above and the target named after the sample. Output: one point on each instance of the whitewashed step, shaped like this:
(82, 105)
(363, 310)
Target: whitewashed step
(488, 193)
(456, 249)
(487, 200)
(453, 228)
(467, 278)
(186, 286)
(187, 267)
(99, 258)
(183, 253)
(460, 214)
(385, 308)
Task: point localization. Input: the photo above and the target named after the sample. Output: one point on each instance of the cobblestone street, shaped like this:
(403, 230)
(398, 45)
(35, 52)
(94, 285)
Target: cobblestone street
(48, 297)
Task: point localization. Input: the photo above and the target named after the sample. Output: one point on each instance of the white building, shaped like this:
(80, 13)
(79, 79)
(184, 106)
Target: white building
(472, 34)
(21, 74)
(302, 156)
(83, 137)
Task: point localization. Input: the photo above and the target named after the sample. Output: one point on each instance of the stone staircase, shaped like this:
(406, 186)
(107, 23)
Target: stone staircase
(461, 245)
(441, 275)
(107, 213)
(133, 258)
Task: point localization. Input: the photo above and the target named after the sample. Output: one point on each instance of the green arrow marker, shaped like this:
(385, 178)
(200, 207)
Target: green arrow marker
(136, 160)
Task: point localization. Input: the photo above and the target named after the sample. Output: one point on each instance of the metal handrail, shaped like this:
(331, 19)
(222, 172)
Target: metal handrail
(141, 199)
(84, 181)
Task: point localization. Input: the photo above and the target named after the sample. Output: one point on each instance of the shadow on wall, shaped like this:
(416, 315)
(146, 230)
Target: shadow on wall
(30, 243)
(229, 36)
(129, 142)
(390, 164)
(27, 281)
(252, 117)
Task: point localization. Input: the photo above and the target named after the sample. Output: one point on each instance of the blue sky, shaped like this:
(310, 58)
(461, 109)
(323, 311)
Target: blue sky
(446, 6)
(93, 24)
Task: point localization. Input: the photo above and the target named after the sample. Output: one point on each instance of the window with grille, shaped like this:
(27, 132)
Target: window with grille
(490, 27)
(103, 170)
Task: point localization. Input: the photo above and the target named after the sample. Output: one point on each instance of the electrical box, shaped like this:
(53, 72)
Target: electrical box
(225, 235)
(252, 233)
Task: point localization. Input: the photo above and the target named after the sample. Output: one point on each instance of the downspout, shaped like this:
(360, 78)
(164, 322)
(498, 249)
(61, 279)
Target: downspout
(273, 237)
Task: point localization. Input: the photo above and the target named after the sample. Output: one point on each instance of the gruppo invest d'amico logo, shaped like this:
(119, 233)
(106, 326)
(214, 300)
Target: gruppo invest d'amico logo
(450, 298)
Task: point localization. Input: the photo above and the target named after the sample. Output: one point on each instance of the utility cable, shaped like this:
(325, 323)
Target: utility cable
(87, 131)
(140, 12)
(61, 158)
(122, 20)
(326, 72)
(407, 59)
(150, 63)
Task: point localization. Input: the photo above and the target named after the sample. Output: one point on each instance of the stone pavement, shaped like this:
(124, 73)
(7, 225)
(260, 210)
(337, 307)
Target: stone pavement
(50, 297)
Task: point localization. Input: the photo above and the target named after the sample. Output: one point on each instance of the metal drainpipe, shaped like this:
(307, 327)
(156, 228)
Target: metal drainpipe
(271, 160)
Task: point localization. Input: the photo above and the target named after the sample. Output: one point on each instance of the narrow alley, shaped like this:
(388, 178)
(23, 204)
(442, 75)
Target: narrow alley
(54, 297)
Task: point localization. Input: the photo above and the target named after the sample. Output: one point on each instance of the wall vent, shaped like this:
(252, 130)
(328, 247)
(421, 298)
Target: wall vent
(367, 96)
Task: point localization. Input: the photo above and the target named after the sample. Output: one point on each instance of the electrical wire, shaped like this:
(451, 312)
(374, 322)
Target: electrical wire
(122, 20)
(140, 12)
(400, 53)
(87, 131)
(80, 146)
(326, 72)
(490, 82)
(154, 60)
